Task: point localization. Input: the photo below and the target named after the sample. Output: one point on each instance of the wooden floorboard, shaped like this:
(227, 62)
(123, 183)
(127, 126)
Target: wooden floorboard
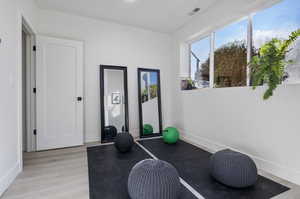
(56, 174)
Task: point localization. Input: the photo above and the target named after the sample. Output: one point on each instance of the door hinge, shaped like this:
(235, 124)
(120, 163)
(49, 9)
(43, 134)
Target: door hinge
(34, 132)
(34, 90)
(34, 48)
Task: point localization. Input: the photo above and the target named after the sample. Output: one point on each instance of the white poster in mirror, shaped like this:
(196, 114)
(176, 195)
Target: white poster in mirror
(116, 98)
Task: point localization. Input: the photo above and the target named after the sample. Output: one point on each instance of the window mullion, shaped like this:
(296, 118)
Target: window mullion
(190, 61)
(212, 58)
(249, 47)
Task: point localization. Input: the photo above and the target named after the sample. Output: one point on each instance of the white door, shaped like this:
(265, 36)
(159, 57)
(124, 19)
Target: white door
(59, 82)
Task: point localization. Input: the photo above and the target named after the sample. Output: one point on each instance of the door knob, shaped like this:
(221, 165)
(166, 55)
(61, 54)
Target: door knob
(79, 99)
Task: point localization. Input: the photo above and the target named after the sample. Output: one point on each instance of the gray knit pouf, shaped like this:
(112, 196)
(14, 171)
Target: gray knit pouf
(153, 179)
(233, 169)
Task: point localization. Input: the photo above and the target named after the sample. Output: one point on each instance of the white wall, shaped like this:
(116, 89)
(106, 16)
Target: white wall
(112, 44)
(29, 11)
(11, 87)
(9, 164)
(238, 118)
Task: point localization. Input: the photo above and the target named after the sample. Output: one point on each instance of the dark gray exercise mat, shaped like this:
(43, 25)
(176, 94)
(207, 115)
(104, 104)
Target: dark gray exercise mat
(109, 170)
(192, 164)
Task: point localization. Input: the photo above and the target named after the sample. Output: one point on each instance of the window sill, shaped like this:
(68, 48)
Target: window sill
(236, 87)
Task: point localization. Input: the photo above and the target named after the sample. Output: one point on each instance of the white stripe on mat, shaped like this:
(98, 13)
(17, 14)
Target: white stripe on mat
(151, 138)
(183, 182)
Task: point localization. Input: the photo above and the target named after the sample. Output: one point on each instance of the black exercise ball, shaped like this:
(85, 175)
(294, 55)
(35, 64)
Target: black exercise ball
(110, 132)
(124, 142)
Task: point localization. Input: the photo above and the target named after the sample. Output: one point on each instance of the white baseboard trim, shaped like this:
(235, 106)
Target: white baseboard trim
(90, 140)
(8, 179)
(262, 164)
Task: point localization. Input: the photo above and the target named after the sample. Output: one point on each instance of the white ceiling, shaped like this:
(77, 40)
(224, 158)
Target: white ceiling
(158, 15)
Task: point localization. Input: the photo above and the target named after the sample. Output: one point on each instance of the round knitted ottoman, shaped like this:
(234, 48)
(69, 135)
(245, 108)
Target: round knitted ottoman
(233, 169)
(124, 142)
(153, 179)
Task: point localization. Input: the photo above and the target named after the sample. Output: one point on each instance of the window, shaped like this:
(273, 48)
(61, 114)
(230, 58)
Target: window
(231, 51)
(200, 52)
(278, 22)
(230, 55)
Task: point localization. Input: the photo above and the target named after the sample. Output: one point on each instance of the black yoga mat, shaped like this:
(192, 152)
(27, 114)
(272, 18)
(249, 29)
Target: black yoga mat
(109, 170)
(192, 164)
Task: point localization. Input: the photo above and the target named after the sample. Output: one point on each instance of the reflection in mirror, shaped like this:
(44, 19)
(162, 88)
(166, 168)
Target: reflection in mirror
(113, 99)
(149, 95)
(114, 105)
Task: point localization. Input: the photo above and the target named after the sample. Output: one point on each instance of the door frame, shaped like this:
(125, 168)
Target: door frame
(30, 86)
(139, 71)
(102, 107)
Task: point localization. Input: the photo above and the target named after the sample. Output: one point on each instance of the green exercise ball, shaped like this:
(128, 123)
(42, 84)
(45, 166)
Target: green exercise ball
(147, 129)
(170, 135)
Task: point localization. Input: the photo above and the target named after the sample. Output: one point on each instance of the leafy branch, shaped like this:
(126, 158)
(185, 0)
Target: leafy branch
(268, 66)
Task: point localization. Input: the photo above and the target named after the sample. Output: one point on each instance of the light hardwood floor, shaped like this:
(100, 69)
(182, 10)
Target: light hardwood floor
(63, 174)
(57, 174)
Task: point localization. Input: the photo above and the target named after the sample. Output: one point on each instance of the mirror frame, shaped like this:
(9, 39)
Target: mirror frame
(110, 67)
(140, 70)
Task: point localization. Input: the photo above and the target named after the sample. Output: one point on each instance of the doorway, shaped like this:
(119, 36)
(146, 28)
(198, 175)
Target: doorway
(52, 92)
(60, 100)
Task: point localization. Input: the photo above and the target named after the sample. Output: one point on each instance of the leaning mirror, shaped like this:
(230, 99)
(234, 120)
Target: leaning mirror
(149, 102)
(114, 103)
